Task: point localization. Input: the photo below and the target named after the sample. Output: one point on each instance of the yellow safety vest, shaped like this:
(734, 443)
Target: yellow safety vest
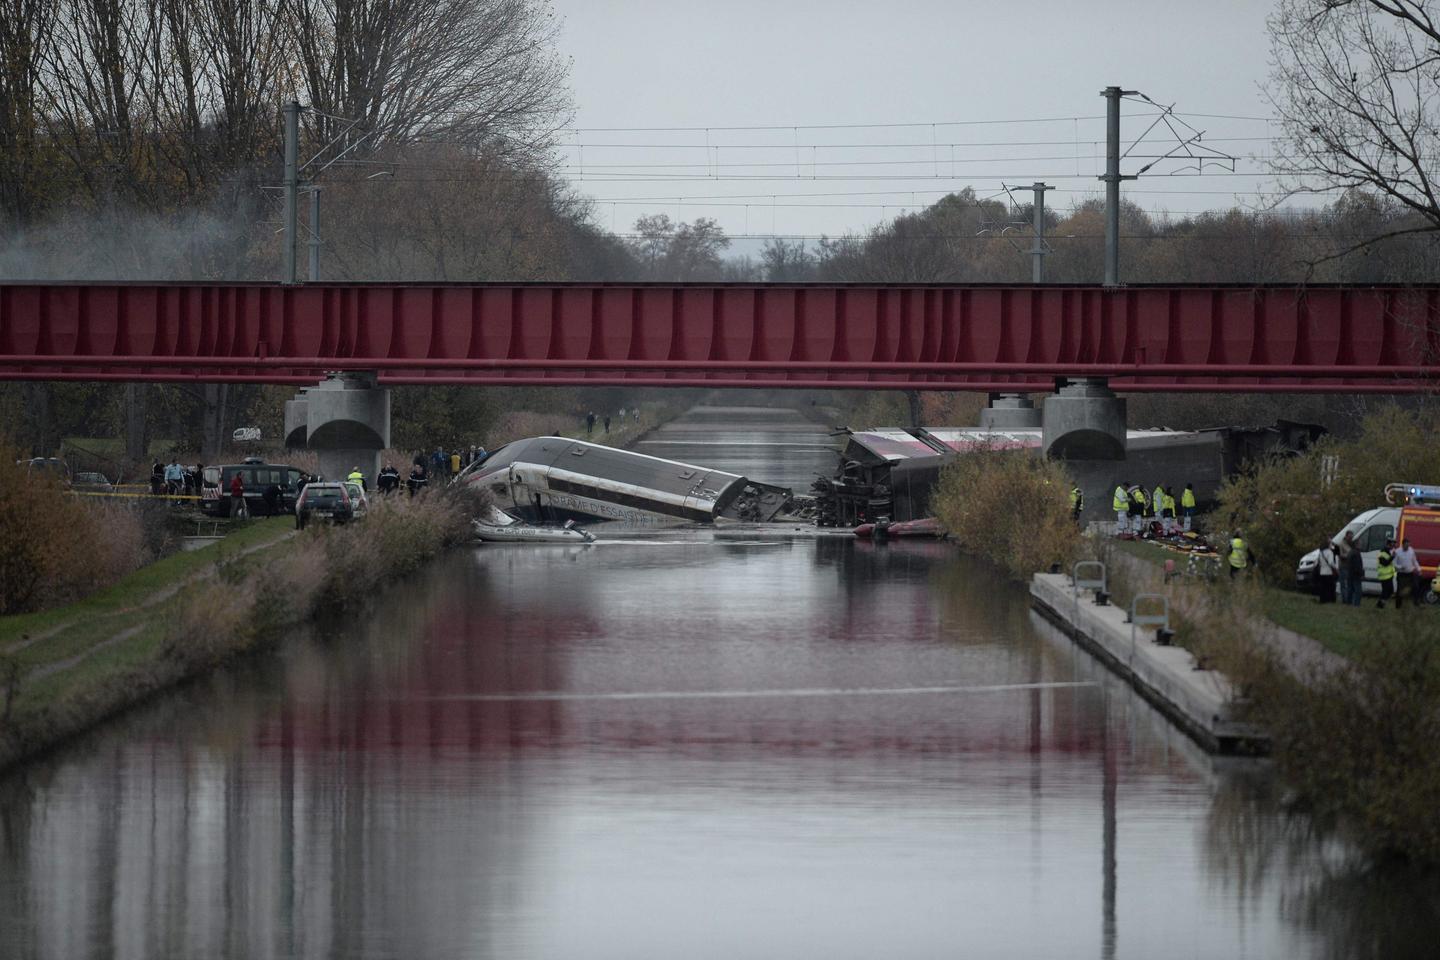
(1169, 503)
(1074, 497)
(1187, 499)
(1158, 499)
(1120, 501)
(1384, 566)
(356, 476)
(1238, 554)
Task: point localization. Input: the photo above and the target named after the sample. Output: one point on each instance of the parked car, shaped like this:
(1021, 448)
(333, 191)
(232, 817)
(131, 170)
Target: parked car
(359, 500)
(324, 502)
(93, 482)
(47, 467)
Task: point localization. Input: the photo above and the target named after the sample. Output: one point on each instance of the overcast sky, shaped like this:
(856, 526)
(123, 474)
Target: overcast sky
(827, 72)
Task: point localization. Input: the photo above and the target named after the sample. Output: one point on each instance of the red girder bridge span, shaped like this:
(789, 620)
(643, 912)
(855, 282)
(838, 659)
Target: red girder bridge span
(1006, 339)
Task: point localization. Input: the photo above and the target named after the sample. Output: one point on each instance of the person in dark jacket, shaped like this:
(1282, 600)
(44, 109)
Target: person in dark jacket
(1355, 563)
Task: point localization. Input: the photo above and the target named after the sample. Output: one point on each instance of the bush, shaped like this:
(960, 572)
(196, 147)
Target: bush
(57, 547)
(1010, 507)
(1285, 508)
(1358, 743)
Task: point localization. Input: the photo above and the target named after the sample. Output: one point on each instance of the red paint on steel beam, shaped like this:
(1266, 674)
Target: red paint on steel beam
(770, 366)
(1235, 333)
(975, 386)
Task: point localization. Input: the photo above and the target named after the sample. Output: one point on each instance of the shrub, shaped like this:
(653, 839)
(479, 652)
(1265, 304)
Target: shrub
(1285, 507)
(1010, 507)
(1358, 743)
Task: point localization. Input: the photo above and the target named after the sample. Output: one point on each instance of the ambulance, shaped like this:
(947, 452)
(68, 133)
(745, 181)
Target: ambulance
(1413, 512)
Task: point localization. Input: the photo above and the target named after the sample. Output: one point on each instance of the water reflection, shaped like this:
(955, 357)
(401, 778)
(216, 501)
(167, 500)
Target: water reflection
(693, 748)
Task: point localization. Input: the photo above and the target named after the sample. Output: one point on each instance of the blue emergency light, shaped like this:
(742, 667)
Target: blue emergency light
(1423, 494)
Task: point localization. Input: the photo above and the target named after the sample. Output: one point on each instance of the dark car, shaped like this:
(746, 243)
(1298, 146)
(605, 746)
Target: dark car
(52, 468)
(93, 483)
(325, 503)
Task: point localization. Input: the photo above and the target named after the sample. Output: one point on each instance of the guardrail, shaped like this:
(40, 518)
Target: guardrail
(1077, 584)
(1138, 619)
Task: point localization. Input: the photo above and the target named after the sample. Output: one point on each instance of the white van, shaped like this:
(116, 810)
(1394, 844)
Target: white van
(1372, 529)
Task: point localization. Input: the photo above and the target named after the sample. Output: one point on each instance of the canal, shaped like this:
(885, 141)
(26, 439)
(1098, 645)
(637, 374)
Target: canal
(688, 746)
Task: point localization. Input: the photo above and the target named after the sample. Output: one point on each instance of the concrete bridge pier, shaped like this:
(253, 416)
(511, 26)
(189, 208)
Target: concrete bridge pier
(1084, 420)
(345, 420)
(1009, 411)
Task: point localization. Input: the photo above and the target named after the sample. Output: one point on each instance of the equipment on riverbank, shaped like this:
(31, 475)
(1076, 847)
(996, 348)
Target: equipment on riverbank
(928, 528)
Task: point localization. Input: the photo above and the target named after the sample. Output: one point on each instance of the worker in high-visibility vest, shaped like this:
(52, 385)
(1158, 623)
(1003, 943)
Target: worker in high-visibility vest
(1169, 512)
(1239, 554)
(1385, 573)
(1077, 503)
(1157, 504)
(357, 477)
(1187, 504)
(1120, 503)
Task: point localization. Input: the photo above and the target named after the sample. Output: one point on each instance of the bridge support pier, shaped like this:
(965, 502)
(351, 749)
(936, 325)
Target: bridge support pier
(1084, 420)
(1009, 411)
(345, 420)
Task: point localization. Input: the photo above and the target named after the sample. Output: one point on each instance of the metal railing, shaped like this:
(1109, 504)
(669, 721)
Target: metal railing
(1138, 619)
(1078, 584)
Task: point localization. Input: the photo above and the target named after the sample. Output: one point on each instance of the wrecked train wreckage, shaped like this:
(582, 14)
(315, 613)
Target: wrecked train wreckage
(552, 479)
(888, 473)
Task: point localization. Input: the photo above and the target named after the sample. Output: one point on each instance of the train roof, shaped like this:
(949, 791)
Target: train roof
(608, 463)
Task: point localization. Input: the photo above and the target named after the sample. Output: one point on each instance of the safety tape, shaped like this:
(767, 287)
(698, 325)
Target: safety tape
(147, 496)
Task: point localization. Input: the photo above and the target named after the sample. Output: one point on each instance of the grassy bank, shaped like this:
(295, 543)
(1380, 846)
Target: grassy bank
(1353, 722)
(64, 671)
(1340, 629)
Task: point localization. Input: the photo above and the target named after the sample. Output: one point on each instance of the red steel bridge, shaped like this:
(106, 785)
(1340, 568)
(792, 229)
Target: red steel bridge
(1279, 339)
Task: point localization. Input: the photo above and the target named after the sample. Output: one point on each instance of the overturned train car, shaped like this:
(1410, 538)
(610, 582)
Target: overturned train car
(889, 473)
(547, 479)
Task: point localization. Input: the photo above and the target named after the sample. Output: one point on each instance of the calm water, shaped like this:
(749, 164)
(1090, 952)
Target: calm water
(682, 747)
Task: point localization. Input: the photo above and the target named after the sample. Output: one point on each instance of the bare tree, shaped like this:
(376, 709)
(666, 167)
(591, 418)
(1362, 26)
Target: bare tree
(1356, 84)
(784, 261)
(23, 24)
(468, 71)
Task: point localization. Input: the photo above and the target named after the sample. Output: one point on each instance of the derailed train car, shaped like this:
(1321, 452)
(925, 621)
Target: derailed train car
(548, 479)
(890, 472)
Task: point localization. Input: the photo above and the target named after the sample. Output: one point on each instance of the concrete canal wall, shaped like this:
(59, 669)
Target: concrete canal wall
(1199, 702)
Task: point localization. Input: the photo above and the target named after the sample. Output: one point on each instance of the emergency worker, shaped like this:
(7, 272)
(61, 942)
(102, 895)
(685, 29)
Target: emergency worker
(1137, 509)
(1239, 554)
(1077, 503)
(357, 477)
(1157, 504)
(1169, 512)
(1187, 505)
(1120, 503)
(1385, 573)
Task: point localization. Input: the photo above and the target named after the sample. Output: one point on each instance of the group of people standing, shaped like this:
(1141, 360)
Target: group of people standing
(445, 465)
(174, 479)
(1397, 569)
(591, 419)
(1136, 509)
